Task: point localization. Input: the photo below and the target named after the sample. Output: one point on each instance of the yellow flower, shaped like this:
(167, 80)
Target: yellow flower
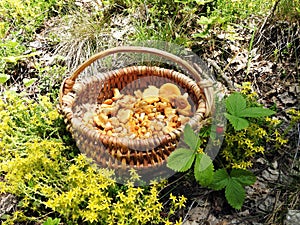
(291, 111)
(268, 119)
(200, 150)
(281, 141)
(179, 222)
(275, 121)
(249, 143)
(173, 198)
(168, 222)
(181, 202)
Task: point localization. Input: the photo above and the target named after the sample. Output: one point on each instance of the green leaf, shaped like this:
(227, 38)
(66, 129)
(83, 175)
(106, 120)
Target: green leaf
(203, 34)
(29, 82)
(244, 177)
(51, 221)
(203, 2)
(256, 112)
(204, 20)
(237, 122)
(190, 138)
(235, 194)
(181, 159)
(235, 103)
(204, 169)
(4, 78)
(220, 179)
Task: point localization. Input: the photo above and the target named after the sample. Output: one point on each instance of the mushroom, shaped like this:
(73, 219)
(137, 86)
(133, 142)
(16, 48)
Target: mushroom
(124, 115)
(183, 106)
(150, 94)
(169, 91)
(127, 101)
(100, 120)
(109, 109)
(186, 111)
(169, 111)
(108, 101)
(138, 94)
(114, 121)
(181, 102)
(117, 94)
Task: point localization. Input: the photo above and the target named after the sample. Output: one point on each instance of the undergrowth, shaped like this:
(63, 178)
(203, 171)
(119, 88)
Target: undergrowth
(39, 162)
(40, 165)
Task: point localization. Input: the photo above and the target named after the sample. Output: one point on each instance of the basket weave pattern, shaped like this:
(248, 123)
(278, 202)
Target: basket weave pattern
(121, 152)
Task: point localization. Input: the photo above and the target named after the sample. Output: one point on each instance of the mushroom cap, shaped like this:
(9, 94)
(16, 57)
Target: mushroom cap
(151, 91)
(124, 115)
(169, 91)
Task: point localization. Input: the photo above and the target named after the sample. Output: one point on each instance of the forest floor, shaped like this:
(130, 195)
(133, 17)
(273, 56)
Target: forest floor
(275, 197)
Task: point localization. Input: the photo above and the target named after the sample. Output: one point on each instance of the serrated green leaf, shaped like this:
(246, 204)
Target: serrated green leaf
(244, 177)
(29, 82)
(235, 103)
(181, 159)
(204, 169)
(237, 122)
(190, 138)
(256, 112)
(235, 194)
(4, 78)
(220, 179)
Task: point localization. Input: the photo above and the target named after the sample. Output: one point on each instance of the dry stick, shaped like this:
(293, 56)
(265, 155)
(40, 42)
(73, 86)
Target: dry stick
(220, 71)
(298, 146)
(266, 19)
(187, 214)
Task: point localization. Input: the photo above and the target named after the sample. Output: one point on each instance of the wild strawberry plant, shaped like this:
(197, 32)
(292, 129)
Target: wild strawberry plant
(243, 139)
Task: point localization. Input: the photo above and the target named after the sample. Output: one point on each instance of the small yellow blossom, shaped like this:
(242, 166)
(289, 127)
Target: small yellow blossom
(200, 150)
(173, 198)
(168, 223)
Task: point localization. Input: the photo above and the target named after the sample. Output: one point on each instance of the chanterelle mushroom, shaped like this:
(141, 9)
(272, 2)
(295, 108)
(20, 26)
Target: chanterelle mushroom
(169, 91)
(117, 94)
(151, 91)
(124, 115)
(183, 106)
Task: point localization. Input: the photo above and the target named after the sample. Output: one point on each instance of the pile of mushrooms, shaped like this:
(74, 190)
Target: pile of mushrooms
(155, 111)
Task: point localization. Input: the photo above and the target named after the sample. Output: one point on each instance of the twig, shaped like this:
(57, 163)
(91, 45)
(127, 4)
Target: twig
(220, 72)
(298, 146)
(266, 19)
(187, 214)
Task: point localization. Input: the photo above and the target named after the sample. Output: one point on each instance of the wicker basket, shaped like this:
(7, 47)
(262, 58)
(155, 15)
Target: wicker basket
(120, 152)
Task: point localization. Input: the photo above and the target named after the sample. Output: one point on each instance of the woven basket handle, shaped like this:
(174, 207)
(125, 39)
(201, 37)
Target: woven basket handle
(68, 83)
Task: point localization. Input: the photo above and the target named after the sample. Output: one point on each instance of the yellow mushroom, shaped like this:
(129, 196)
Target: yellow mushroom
(124, 115)
(108, 101)
(186, 111)
(168, 111)
(151, 91)
(182, 105)
(138, 94)
(181, 102)
(101, 120)
(169, 91)
(117, 94)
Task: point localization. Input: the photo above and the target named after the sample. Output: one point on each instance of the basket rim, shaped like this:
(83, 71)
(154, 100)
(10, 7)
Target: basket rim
(81, 85)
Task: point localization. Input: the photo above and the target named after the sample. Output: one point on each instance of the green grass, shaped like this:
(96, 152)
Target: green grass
(36, 154)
